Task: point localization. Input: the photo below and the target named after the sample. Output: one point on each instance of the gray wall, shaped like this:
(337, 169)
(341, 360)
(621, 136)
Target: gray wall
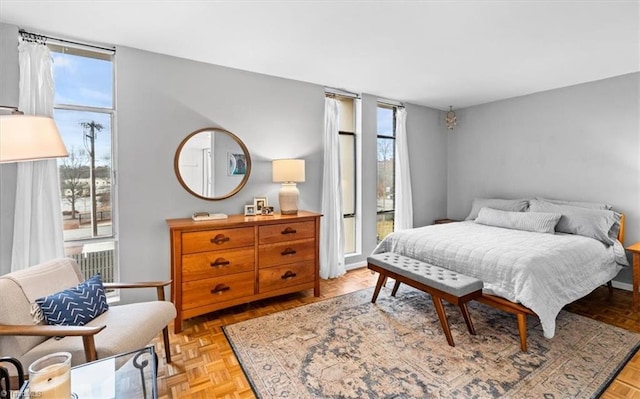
(9, 76)
(580, 142)
(160, 100)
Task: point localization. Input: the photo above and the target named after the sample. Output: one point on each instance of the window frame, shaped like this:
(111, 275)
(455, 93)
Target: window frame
(79, 49)
(386, 212)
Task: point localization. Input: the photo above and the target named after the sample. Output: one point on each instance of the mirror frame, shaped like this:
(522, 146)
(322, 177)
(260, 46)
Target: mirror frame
(240, 186)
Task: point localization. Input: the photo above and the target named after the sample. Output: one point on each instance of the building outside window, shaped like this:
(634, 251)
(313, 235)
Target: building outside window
(385, 185)
(84, 113)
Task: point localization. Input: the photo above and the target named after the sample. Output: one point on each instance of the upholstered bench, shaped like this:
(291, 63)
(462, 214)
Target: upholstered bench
(440, 283)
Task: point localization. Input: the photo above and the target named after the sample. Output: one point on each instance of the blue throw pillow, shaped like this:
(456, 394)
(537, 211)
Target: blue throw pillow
(75, 306)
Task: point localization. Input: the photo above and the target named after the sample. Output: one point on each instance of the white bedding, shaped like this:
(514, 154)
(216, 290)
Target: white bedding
(543, 272)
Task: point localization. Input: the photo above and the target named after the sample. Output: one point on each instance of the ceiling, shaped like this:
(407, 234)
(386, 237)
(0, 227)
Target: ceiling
(431, 53)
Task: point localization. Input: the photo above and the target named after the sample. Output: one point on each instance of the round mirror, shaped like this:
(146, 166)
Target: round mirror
(212, 164)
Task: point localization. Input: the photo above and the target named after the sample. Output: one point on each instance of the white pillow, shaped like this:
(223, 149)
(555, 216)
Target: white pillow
(599, 224)
(517, 205)
(581, 204)
(539, 222)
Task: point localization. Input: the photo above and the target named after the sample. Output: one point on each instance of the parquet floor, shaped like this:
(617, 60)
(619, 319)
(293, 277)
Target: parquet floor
(204, 365)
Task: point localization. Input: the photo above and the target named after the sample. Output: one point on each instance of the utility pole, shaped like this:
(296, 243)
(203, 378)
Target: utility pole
(91, 137)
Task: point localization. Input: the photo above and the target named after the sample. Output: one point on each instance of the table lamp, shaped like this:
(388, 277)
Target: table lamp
(29, 137)
(288, 172)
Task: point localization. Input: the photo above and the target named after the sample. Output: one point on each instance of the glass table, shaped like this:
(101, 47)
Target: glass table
(127, 375)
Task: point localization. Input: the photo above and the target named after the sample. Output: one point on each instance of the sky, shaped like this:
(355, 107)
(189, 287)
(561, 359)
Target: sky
(87, 82)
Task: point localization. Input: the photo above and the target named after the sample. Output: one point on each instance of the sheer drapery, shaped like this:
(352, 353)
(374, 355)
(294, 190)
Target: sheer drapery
(331, 228)
(403, 218)
(37, 225)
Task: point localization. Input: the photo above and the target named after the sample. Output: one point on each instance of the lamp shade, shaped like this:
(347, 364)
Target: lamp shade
(288, 170)
(29, 137)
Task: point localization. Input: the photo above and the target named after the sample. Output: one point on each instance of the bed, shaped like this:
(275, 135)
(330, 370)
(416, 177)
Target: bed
(524, 272)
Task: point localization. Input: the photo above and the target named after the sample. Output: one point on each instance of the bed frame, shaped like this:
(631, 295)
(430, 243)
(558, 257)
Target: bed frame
(522, 312)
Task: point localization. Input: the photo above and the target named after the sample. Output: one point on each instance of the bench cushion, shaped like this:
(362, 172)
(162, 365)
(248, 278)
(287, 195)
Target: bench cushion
(437, 277)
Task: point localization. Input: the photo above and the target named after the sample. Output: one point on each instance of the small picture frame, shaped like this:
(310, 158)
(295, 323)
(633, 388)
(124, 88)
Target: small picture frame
(267, 211)
(250, 210)
(259, 203)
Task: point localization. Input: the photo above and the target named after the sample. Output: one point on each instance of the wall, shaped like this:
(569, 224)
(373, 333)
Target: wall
(162, 99)
(580, 143)
(9, 76)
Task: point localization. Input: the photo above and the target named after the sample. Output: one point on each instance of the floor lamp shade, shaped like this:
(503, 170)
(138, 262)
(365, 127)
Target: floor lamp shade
(29, 137)
(288, 172)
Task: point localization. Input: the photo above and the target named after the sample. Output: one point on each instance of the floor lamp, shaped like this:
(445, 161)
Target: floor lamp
(29, 137)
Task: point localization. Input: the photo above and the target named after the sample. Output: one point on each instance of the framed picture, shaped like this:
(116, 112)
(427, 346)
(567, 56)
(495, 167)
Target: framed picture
(237, 164)
(259, 203)
(249, 210)
(267, 210)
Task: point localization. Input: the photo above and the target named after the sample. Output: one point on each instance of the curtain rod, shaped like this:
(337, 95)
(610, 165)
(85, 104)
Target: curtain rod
(328, 91)
(37, 36)
(391, 103)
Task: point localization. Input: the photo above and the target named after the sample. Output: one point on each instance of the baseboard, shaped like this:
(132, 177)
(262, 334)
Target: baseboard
(357, 265)
(622, 286)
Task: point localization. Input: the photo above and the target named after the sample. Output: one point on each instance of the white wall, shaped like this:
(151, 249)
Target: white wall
(580, 143)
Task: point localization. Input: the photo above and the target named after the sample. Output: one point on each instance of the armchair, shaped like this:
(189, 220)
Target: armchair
(121, 328)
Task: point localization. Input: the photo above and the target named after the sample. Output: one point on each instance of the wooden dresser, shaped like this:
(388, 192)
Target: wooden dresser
(221, 263)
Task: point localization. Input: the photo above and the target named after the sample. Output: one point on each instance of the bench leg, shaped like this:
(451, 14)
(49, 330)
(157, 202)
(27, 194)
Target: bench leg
(522, 329)
(395, 288)
(381, 280)
(467, 318)
(437, 302)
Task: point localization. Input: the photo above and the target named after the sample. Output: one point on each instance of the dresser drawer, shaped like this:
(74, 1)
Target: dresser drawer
(286, 232)
(274, 278)
(217, 263)
(286, 252)
(213, 240)
(217, 289)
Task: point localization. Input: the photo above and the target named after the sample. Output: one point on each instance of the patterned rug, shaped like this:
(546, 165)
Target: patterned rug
(347, 347)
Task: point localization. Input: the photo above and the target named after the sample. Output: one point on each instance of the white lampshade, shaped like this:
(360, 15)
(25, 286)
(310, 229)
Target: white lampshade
(29, 137)
(288, 170)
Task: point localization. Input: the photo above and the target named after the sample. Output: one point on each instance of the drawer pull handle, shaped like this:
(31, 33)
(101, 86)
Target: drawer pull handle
(288, 275)
(288, 251)
(288, 230)
(220, 262)
(219, 239)
(220, 288)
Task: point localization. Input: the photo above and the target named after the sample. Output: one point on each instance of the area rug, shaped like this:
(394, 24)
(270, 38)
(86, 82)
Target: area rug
(347, 347)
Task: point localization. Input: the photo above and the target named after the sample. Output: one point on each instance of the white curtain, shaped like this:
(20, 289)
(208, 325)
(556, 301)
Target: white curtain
(331, 229)
(37, 225)
(403, 203)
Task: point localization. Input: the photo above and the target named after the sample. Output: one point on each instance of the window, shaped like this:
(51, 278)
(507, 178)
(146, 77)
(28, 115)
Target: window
(84, 112)
(385, 185)
(346, 130)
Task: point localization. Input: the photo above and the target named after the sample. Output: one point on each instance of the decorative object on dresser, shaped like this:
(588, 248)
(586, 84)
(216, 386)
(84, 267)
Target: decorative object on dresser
(635, 250)
(288, 172)
(259, 203)
(222, 263)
